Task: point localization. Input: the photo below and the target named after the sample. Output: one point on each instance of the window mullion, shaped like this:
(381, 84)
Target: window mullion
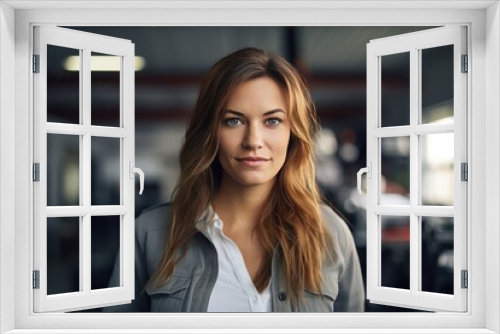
(85, 241)
(415, 251)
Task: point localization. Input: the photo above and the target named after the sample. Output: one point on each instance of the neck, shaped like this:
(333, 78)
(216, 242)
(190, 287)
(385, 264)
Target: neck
(240, 207)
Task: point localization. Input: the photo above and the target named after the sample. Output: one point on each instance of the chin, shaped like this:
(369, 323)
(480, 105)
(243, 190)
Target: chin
(249, 178)
(253, 181)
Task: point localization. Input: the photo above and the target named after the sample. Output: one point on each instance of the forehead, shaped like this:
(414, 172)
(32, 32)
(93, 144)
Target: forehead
(259, 93)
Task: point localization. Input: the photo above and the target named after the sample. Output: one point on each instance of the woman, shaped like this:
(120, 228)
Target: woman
(246, 230)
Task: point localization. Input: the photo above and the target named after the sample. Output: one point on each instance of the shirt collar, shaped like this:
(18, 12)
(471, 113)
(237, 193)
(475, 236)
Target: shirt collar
(206, 222)
(215, 226)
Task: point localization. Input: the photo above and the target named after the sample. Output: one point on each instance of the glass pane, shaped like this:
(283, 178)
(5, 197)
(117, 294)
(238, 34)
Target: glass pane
(395, 250)
(395, 168)
(395, 89)
(437, 85)
(437, 169)
(105, 171)
(105, 246)
(63, 85)
(105, 89)
(63, 170)
(63, 255)
(437, 254)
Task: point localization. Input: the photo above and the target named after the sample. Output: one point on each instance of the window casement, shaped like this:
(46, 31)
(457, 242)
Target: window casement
(483, 304)
(53, 138)
(429, 136)
(425, 128)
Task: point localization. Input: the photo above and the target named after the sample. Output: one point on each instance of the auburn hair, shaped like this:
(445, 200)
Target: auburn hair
(291, 221)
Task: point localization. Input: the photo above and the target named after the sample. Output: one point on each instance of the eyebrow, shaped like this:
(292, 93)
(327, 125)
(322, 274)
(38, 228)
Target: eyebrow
(270, 112)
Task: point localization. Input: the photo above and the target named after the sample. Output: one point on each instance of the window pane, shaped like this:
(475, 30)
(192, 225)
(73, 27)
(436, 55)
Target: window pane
(63, 170)
(437, 254)
(395, 89)
(437, 168)
(395, 250)
(437, 85)
(105, 171)
(63, 85)
(63, 255)
(105, 245)
(395, 168)
(105, 90)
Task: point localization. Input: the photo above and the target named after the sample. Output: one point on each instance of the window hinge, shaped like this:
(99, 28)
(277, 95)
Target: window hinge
(36, 172)
(464, 172)
(36, 279)
(465, 64)
(465, 279)
(36, 63)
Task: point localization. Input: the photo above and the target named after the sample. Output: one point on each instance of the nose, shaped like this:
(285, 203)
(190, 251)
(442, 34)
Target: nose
(253, 138)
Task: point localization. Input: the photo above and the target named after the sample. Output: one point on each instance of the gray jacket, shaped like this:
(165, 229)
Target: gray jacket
(194, 277)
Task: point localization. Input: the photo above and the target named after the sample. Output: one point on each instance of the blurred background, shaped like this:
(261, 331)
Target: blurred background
(170, 64)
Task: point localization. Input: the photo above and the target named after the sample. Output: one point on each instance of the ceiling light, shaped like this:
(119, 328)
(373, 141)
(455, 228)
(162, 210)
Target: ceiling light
(101, 63)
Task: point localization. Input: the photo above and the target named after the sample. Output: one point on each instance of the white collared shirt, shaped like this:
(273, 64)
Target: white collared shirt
(234, 290)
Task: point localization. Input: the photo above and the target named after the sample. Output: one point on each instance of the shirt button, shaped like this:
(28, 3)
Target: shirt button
(282, 296)
(254, 298)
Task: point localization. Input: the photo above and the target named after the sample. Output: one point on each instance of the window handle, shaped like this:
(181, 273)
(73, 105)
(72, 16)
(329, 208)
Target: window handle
(135, 170)
(368, 171)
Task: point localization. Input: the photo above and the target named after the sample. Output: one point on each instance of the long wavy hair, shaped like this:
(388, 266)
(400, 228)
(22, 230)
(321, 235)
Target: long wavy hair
(291, 222)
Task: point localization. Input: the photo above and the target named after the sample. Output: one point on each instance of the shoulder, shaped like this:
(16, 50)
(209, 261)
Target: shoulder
(339, 229)
(150, 234)
(155, 218)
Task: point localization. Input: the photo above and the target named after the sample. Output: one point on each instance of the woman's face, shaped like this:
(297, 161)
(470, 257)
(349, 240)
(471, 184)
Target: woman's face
(254, 133)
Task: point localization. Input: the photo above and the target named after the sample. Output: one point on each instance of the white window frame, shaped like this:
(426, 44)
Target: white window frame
(413, 44)
(16, 214)
(85, 44)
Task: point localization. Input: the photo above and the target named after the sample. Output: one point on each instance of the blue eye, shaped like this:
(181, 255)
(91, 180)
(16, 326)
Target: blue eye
(232, 122)
(273, 121)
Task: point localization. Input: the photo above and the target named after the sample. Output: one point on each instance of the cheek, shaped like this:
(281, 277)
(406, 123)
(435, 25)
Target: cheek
(226, 145)
(281, 142)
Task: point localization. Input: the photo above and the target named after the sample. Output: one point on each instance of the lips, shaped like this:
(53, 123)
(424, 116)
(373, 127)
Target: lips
(252, 162)
(252, 159)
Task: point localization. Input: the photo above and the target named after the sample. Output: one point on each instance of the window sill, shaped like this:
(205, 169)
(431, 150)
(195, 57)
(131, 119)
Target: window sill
(248, 331)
